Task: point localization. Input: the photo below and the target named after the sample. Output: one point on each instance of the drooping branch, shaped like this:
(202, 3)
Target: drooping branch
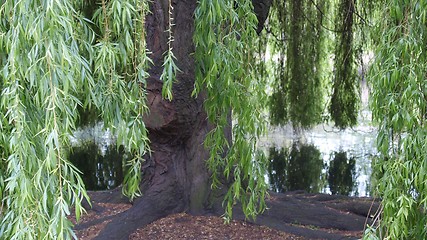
(38, 99)
(298, 73)
(345, 96)
(225, 70)
(398, 103)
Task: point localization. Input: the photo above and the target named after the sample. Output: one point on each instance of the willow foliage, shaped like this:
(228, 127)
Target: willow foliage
(298, 41)
(120, 61)
(344, 101)
(399, 103)
(54, 60)
(307, 67)
(225, 71)
(38, 95)
(57, 57)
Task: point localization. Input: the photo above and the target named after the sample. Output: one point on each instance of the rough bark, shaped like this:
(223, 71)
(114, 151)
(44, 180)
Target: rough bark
(175, 175)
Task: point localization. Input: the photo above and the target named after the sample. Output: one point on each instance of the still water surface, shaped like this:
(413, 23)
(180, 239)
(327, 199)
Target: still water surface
(95, 154)
(322, 159)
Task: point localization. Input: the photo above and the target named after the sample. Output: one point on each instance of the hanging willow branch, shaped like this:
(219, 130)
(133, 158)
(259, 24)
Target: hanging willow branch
(302, 68)
(225, 71)
(51, 63)
(169, 67)
(38, 100)
(299, 79)
(120, 88)
(399, 103)
(345, 97)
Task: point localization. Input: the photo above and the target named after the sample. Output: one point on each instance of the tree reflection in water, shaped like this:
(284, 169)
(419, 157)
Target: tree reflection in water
(342, 174)
(301, 167)
(277, 168)
(297, 168)
(100, 170)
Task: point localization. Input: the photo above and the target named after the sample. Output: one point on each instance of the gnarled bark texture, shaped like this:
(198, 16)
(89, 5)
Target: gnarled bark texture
(175, 177)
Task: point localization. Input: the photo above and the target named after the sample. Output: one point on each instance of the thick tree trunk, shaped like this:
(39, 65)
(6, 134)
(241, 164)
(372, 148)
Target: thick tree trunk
(175, 175)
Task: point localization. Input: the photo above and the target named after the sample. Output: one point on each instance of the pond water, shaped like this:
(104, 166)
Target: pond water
(95, 154)
(322, 159)
(319, 160)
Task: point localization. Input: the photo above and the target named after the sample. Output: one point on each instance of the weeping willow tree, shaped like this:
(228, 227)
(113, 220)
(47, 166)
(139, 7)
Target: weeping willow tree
(181, 86)
(308, 66)
(398, 79)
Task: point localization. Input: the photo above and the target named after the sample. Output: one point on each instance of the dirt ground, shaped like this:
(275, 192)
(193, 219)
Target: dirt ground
(178, 226)
(185, 226)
